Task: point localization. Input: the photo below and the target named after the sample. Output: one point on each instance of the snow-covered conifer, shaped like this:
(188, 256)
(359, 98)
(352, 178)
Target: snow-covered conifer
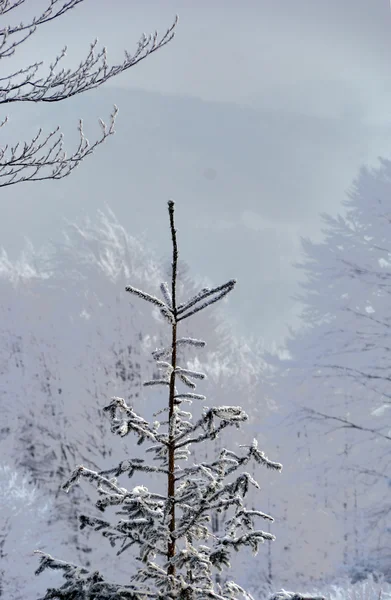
(336, 369)
(23, 517)
(169, 524)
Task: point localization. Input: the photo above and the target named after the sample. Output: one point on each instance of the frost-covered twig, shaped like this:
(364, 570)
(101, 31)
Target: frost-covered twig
(284, 595)
(43, 156)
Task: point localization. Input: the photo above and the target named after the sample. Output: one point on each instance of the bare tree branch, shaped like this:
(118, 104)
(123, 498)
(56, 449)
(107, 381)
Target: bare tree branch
(55, 9)
(44, 157)
(345, 423)
(92, 72)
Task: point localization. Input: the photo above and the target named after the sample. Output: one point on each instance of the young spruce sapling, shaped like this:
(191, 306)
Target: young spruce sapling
(178, 553)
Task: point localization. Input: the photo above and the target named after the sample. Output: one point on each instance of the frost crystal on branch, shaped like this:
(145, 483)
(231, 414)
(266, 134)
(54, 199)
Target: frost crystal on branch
(178, 551)
(44, 156)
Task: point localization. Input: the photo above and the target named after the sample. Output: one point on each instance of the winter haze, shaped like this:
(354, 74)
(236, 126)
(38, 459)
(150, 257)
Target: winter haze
(255, 119)
(268, 123)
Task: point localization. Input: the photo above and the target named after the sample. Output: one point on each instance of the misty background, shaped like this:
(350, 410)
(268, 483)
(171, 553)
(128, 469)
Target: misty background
(255, 119)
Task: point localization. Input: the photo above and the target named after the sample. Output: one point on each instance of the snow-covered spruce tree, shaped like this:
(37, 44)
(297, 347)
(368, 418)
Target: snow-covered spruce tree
(178, 552)
(71, 337)
(23, 517)
(336, 369)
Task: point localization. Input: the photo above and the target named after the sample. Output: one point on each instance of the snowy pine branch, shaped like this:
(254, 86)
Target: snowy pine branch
(122, 425)
(165, 352)
(81, 583)
(213, 296)
(227, 415)
(285, 595)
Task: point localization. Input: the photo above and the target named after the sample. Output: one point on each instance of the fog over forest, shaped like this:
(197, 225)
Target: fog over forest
(268, 125)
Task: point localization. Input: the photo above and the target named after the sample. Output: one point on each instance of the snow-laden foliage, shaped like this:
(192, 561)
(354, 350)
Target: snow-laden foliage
(61, 357)
(177, 549)
(285, 595)
(71, 336)
(338, 372)
(373, 587)
(24, 512)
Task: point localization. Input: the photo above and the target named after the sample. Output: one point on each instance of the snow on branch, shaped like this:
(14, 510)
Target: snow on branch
(104, 485)
(93, 71)
(44, 157)
(147, 297)
(261, 458)
(213, 296)
(207, 421)
(252, 539)
(81, 583)
(179, 549)
(130, 466)
(156, 382)
(188, 396)
(132, 421)
(160, 353)
(190, 373)
(53, 11)
(179, 314)
(284, 595)
(166, 294)
(228, 462)
(185, 375)
(190, 342)
(145, 511)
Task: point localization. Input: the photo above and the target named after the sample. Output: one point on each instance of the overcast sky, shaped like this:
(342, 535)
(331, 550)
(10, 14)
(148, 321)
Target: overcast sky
(266, 109)
(313, 56)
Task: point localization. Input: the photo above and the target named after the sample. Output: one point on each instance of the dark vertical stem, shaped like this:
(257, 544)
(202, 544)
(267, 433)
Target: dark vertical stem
(269, 553)
(346, 552)
(215, 515)
(171, 433)
(356, 549)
